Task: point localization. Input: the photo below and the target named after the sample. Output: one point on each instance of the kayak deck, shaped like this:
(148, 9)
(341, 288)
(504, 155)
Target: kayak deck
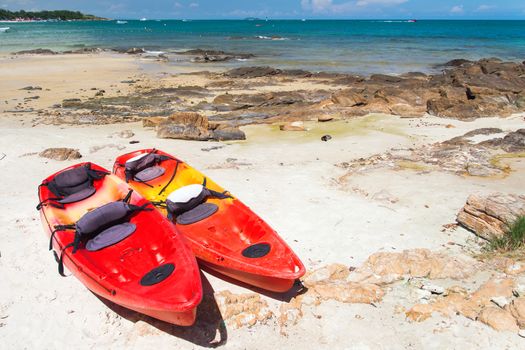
(219, 240)
(115, 272)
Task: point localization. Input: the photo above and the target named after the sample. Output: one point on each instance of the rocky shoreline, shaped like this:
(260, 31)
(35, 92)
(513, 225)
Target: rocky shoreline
(464, 90)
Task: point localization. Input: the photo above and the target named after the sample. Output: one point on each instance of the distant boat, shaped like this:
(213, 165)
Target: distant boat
(4, 29)
(303, 20)
(122, 22)
(412, 20)
(143, 19)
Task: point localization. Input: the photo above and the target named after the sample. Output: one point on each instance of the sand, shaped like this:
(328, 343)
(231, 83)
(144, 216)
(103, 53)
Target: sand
(290, 179)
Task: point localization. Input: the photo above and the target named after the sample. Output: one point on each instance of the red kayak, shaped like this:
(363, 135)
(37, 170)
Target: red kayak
(224, 234)
(115, 242)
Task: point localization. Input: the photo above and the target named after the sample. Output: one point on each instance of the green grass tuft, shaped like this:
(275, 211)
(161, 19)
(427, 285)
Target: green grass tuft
(513, 239)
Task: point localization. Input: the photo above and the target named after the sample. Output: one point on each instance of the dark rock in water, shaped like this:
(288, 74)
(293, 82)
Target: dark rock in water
(458, 62)
(31, 88)
(130, 51)
(208, 56)
(35, 52)
(514, 141)
(61, 153)
(215, 53)
(84, 50)
(135, 51)
(100, 93)
(326, 138)
(228, 133)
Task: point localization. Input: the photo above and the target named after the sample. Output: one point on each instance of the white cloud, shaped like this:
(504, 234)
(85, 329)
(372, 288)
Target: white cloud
(317, 5)
(177, 5)
(457, 9)
(194, 4)
(380, 2)
(323, 6)
(485, 8)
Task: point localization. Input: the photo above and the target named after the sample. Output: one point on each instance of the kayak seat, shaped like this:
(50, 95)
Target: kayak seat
(144, 167)
(200, 212)
(75, 184)
(105, 225)
(187, 204)
(149, 174)
(110, 236)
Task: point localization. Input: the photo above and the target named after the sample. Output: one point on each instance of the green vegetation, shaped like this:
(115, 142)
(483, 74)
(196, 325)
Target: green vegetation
(513, 240)
(62, 15)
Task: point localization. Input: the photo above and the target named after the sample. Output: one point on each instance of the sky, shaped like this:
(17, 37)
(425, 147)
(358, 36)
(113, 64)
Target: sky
(284, 9)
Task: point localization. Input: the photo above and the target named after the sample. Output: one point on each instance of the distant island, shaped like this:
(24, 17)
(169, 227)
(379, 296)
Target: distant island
(58, 15)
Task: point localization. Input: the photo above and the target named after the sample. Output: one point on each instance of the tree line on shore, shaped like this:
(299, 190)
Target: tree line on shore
(63, 15)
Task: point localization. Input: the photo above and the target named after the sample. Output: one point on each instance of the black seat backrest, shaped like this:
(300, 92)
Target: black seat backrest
(74, 180)
(147, 161)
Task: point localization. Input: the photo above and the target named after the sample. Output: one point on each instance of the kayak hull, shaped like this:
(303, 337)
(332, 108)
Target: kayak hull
(270, 283)
(114, 273)
(219, 241)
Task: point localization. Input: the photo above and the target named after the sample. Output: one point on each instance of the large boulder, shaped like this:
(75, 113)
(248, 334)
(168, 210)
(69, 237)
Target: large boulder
(488, 217)
(517, 310)
(61, 153)
(183, 132)
(499, 319)
(514, 141)
(228, 133)
(185, 126)
(468, 109)
(350, 98)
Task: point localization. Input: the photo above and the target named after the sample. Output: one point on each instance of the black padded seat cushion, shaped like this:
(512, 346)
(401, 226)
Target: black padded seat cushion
(149, 174)
(197, 214)
(110, 236)
(103, 217)
(78, 196)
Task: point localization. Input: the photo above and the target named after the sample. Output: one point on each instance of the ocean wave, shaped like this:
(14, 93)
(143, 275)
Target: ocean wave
(4, 29)
(273, 37)
(154, 53)
(396, 21)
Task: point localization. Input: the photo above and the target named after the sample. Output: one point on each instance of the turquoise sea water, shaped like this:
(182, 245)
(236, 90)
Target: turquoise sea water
(329, 45)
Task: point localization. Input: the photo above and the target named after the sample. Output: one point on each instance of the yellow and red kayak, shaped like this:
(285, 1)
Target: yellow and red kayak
(126, 250)
(223, 233)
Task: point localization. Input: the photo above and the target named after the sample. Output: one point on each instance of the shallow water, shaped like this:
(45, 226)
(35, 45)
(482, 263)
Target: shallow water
(330, 45)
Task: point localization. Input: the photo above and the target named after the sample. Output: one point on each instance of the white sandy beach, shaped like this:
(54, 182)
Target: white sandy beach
(289, 178)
